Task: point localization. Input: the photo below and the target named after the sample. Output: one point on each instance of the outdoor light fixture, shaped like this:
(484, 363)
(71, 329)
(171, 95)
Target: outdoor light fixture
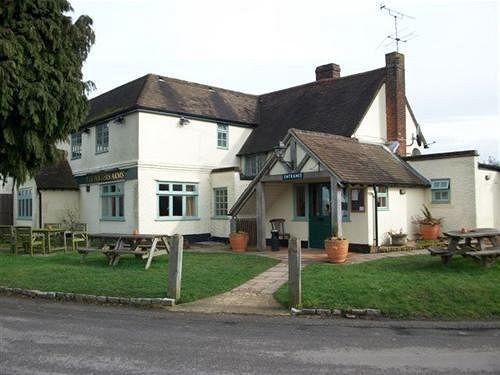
(120, 120)
(183, 121)
(280, 150)
(86, 130)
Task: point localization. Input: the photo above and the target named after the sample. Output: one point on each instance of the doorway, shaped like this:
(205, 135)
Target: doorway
(320, 221)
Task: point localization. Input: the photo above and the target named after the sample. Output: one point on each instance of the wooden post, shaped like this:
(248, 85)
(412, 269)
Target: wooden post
(175, 267)
(336, 205)
(294, 277)
(260, 216)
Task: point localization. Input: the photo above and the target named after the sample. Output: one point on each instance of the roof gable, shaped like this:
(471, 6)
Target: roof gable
(56, 177)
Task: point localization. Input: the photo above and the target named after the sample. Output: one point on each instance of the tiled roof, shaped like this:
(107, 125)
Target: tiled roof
(359, 163)
(56, 177)
(157, 93)
(334, 106)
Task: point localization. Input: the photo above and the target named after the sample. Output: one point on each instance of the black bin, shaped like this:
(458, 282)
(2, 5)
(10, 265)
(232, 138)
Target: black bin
(275, 240)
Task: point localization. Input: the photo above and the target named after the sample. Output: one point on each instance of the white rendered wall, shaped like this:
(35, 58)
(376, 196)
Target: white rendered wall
(90, 209)
(373, 125)
(163, 142)
(461, 211)
(488, 198)
(35, 211)
(122, 152)
(219, 227)
(57, 205)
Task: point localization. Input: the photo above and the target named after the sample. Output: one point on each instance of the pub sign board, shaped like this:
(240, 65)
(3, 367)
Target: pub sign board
(108, 176)
(293, 176)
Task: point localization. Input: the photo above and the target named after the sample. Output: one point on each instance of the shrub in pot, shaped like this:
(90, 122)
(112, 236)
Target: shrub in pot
(336, 248)
(429, 225)
(238, 241)
(398, 238)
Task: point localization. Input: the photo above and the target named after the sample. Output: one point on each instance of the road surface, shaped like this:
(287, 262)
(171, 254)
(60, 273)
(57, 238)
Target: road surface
(43, 337)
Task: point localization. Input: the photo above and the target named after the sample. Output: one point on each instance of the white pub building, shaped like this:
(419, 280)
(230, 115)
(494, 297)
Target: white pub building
(161, 155)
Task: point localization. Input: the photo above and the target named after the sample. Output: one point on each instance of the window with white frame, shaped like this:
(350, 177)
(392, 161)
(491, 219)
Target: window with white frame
(220, 202)
(112, 202)
(177, 200)
(76, 145)
(24, 204)
(101, 138)
(382, 197)
(222, 136)
(440, 189)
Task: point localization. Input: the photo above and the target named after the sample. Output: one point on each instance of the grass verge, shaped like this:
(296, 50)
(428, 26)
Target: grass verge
(203, 274)
(416, 287)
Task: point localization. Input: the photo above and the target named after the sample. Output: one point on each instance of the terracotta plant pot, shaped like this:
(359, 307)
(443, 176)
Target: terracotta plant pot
(238, 241)
(336, 249)
(429, 232)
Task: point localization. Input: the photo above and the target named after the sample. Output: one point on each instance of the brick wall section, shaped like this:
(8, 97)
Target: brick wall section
(396, 100)
(327, 71)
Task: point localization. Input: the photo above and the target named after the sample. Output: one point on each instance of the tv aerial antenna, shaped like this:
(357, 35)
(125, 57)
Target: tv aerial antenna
(397, 16)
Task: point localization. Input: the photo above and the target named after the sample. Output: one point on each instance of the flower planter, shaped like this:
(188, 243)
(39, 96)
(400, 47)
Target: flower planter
(336, 249)
(398, 239)
(429, 231)
(238, 241)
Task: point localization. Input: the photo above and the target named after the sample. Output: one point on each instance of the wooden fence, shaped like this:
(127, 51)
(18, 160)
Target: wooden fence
(249, 226)
(6, 209)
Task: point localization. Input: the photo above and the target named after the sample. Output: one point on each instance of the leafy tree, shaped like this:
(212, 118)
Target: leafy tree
(42, 94)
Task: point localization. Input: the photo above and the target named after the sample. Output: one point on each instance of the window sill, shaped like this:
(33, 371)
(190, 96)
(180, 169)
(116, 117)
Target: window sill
(303, 219)
(112, 219)
(24, 218)
(76, 158)
(177, 218)
(101, 152)
(220, 218)
(222, 148)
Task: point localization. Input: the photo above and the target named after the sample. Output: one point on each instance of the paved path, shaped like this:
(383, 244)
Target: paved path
(42, 337)
(256, 295)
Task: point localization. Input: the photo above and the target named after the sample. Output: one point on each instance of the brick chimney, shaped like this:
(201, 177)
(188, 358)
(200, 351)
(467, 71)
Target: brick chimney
(328, 71)
(395, 99)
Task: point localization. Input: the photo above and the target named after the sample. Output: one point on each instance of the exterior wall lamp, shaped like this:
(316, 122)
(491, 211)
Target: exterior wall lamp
(183, 121)
(279, 152)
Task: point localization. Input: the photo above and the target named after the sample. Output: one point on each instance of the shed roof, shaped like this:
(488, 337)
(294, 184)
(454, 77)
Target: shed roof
(56, 177)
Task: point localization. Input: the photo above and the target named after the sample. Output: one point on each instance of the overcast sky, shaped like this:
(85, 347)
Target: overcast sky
(452, 63)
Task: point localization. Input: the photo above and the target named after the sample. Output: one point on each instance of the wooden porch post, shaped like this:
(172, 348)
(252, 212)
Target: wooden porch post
(336, 205)
(260, 216)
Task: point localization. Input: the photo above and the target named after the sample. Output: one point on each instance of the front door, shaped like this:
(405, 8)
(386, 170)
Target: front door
(320, 221)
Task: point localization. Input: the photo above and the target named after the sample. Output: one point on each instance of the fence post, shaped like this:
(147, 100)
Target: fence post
(294, 278)
(175, 267)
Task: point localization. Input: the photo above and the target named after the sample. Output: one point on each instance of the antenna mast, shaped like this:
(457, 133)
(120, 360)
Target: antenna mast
(397, 16)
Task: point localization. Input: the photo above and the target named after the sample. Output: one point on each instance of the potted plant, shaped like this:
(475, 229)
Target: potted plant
(429, 225)
(336, 247)
(238, 241)
(398, 238)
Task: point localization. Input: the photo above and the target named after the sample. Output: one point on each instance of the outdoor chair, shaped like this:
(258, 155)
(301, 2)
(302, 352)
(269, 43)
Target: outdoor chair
(7, 236)
(279, 225)
(29, 240)
(78, 234)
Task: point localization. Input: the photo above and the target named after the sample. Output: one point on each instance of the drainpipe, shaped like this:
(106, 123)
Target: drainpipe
(39, 208)
(376, 215)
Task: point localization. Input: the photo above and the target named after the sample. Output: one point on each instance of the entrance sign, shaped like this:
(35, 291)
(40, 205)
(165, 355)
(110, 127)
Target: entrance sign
(293, 176)
(106, 177)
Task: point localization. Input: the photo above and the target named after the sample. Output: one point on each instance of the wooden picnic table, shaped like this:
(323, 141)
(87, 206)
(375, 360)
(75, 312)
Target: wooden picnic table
(471, 243)
(50, 232)
(145, 246)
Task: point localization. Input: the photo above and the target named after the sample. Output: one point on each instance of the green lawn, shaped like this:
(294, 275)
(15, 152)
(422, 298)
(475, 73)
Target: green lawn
(416, 286)
(203, 274)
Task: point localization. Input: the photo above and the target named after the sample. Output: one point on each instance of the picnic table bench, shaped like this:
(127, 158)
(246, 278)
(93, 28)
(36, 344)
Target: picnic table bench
(145, 246)
(471, 244)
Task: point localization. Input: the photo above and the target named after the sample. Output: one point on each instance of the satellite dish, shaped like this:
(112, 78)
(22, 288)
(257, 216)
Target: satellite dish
(393, 146)
(415, 152)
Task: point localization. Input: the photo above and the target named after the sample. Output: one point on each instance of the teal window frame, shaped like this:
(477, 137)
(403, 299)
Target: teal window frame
(254, 164)
(170, 191)
(223, 136)
(102, 138)
(381, 195)
(440, 186)
(112, 198)
(220, 202)
(25, 204)
(306, 203)
(345, 206)
(76, 146)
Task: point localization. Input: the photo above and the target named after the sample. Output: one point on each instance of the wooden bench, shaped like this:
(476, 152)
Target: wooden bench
(486, 257)
(84, 251)
(443, 252)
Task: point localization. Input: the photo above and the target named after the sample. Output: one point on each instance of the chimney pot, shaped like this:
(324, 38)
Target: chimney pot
(327, 71)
